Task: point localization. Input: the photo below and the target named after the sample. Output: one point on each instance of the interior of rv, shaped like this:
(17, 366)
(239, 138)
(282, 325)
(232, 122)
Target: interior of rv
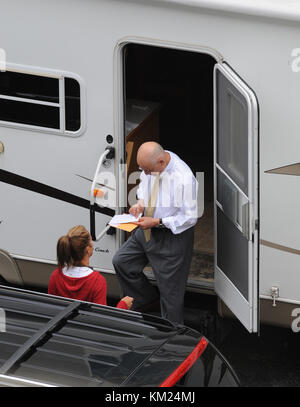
(168, 97)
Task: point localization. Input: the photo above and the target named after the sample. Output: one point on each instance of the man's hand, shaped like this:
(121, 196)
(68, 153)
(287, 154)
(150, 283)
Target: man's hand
(128, 301)
(136, 209)
(147, 222)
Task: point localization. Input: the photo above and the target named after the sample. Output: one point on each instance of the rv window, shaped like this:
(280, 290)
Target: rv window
(72, 104)
(29, 86)
(40, 101)
(232, 127)
(29, 113)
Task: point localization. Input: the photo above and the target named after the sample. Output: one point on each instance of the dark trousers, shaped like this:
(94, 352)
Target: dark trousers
(170, 257)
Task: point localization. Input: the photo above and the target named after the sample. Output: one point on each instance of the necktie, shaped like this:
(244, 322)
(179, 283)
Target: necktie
(149, 211)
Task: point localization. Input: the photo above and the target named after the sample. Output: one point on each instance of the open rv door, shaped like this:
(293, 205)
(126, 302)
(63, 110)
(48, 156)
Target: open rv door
(236, 195)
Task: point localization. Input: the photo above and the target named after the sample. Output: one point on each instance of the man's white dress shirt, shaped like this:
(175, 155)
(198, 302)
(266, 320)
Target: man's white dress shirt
(177, 196)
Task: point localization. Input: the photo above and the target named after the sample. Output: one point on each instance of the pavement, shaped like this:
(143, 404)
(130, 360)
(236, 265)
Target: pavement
(269, 360)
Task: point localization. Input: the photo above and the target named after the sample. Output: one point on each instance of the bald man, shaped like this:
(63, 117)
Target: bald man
(167, 199)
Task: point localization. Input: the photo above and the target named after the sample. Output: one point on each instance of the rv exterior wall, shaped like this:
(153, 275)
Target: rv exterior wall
(84, 38)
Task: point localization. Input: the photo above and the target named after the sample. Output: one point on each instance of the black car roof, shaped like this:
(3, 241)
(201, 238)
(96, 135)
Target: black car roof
(60, 341)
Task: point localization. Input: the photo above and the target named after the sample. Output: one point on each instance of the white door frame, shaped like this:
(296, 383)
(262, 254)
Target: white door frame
(119, 93)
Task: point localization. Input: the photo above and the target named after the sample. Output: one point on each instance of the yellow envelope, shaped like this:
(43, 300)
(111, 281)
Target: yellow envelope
(128, 227)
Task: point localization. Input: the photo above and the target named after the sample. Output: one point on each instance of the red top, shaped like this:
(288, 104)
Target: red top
(91, 288)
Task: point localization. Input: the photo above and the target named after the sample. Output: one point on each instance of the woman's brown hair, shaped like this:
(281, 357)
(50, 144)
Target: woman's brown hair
(70, 248)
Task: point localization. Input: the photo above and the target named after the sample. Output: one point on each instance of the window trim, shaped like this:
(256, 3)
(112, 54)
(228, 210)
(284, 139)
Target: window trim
(49, 73)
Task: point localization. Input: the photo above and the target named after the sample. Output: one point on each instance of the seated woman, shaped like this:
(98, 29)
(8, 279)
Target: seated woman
(74, 278)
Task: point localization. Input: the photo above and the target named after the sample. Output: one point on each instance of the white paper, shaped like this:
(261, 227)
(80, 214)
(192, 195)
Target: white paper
(126, 218)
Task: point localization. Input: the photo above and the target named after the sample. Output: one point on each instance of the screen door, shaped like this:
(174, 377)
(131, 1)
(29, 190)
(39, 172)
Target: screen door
(236, 195)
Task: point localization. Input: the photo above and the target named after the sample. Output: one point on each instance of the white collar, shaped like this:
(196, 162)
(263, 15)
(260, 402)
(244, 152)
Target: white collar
(77, 272)
(170, 163)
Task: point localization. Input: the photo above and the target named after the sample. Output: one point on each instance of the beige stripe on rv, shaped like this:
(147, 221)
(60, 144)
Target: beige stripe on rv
(279, 247)
(292, 169)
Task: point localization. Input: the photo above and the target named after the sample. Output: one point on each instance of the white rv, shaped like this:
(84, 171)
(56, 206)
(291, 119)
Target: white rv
(84, 83)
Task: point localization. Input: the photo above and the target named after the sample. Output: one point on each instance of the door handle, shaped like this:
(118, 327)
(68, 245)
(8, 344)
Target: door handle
(108, 153)
(245, 220)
